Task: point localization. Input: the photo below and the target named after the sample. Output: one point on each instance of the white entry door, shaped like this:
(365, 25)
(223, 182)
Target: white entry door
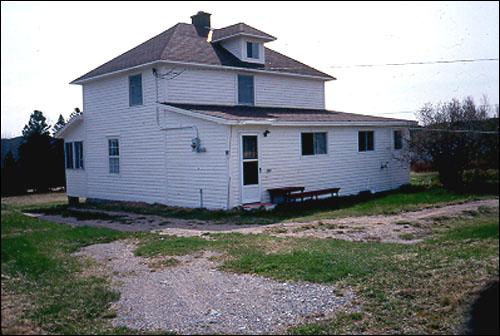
(250, 181)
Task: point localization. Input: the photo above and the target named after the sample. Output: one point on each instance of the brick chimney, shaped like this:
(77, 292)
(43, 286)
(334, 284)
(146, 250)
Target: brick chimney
(201, 21)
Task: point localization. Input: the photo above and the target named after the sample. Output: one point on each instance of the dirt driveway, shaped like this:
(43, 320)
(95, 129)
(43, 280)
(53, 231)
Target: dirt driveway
(407, 227)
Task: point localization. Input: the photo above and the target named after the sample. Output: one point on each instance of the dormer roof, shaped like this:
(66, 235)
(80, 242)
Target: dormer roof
(240, 29)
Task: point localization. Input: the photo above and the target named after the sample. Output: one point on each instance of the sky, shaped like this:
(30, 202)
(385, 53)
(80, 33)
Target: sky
(45, 45)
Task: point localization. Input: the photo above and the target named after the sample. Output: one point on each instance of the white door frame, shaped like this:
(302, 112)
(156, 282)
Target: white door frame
(258, 187)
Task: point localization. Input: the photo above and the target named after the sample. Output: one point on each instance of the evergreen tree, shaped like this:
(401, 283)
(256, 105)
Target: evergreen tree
(37, 125)
(75, 113)
(59, 124)
(12, 183)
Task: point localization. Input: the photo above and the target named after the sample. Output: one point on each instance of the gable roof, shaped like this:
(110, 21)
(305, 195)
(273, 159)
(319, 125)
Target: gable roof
(279, 115)
(239, 29)
(181, 43)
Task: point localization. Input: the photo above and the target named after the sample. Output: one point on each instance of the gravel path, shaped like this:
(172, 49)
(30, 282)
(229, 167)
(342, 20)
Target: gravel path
(196, 298)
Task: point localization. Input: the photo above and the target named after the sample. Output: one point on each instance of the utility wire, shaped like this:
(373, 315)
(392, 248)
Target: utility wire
(417, 63)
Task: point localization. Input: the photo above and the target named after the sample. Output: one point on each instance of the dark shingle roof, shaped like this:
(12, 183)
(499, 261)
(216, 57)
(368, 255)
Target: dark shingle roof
(242, 113)
(239, 28)
(181, 43)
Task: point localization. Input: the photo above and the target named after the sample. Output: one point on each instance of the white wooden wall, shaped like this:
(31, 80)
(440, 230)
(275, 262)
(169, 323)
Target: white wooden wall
(76, 179)
(343, 166)
(159, 166)
(217, 87)
(142, 144)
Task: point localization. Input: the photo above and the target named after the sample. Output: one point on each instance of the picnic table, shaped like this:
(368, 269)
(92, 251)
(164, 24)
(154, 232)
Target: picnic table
(283, 193)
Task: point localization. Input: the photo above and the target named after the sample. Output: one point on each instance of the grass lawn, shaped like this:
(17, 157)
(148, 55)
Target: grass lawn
(421, 288)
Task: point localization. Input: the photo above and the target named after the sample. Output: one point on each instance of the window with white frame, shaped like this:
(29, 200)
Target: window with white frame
(78, 149)
(114, 156)
(252, 50)
(245, 90)
(73, 155)
(366, 141)
(313, 143)
(398, 139)
(135, 90)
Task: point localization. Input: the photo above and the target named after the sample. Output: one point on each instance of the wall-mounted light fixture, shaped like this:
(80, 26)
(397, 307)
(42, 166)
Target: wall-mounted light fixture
(266, 132)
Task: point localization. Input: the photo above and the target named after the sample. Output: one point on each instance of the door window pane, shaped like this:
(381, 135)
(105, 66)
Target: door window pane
(249, 147)
(250, 173)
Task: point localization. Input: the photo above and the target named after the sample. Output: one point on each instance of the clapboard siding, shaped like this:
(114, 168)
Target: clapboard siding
(142, 159)
(197, 86)
(76, 179)
(188, 172)
(343, 166)
(279, 91)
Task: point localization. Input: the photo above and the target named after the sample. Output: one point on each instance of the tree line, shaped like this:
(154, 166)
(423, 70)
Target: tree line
(39, 166)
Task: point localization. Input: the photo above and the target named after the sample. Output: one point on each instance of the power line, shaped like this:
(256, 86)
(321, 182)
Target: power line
(417, 63)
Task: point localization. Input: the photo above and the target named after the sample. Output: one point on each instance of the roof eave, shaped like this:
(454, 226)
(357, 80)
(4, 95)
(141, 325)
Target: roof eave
(260, 37)
(275, 122)
(70, 124)
(200, 65)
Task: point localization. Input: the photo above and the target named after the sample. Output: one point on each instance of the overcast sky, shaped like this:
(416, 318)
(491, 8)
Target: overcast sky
(46, 45)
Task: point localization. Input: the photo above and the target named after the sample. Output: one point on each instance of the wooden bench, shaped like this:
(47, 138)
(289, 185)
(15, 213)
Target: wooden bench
(313, 194)
(281, 194)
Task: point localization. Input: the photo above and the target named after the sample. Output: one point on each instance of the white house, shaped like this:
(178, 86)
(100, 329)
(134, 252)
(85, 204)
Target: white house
(208, 117)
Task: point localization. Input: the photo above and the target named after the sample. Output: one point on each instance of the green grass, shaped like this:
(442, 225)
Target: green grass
(36, 257)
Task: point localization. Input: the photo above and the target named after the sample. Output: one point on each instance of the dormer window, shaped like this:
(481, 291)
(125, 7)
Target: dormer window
(253, 50)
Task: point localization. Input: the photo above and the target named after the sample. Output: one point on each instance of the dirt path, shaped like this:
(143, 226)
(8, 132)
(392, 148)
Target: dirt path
(194, 297)
(406, 227)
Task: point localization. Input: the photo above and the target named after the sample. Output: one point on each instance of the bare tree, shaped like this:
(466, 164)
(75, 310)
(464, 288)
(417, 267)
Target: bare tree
(456, 135)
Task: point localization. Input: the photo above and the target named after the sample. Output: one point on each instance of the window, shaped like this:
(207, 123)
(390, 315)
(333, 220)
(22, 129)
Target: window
(114, 156)
(398, 139)
(252, 50)
(135, 90)
(78, 147)
(365, 141)
(245, 90)
(68, 152)
(313, 143)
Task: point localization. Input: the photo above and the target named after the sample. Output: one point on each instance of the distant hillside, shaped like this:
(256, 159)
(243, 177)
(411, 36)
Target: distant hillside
(11, 145)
